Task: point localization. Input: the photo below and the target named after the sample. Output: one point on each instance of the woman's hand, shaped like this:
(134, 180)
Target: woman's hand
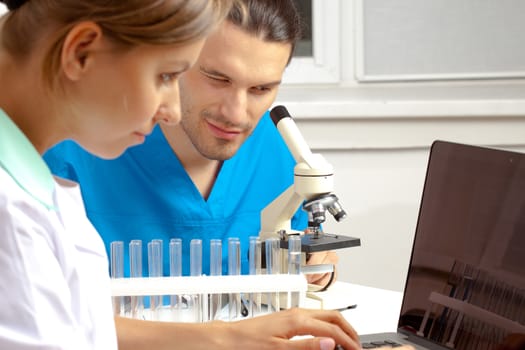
(275, 331)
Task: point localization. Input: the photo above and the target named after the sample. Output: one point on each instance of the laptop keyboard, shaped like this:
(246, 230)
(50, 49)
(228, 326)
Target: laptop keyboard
(378, 344)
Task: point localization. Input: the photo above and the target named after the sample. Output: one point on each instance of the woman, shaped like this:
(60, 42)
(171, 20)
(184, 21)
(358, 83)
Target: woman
(102, 73)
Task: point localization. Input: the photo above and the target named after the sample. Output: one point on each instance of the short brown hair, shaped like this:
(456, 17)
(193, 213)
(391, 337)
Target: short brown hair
(270, 20)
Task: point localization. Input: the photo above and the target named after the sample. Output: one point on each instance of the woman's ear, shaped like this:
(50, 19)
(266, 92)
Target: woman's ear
(79, 45)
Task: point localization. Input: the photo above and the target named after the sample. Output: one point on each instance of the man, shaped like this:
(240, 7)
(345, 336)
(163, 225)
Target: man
(212, 174)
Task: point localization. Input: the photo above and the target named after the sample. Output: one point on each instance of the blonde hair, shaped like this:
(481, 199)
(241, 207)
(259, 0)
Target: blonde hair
(126, 22)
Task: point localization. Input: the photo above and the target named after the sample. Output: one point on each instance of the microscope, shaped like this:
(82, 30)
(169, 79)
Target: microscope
(312, 188)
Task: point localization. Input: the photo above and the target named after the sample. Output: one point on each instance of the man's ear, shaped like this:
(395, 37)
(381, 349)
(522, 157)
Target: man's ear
(77, 52)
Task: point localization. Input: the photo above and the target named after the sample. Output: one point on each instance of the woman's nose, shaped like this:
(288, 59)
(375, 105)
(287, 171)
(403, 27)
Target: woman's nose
(168, 114)
(169, 110)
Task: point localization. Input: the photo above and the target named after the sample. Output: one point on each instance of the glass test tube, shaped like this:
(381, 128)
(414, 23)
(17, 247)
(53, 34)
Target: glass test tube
(294, 266)
(155, 270)
(273, 267)
(117, 271)
(215, 270)
(255, 259)
(196, 270)
(196, 257)
(135, 271)
(234, 269)
(175, 255)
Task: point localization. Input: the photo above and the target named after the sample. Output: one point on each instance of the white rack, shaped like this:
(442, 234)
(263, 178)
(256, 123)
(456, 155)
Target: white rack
(148, 286)
(198, 298)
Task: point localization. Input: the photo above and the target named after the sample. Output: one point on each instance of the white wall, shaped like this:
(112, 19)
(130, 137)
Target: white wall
(377, 136)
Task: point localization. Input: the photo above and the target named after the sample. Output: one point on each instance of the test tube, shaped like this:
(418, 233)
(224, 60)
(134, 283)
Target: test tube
(234, 269)
(135, 271)
(175, 255)
(273, 266)
(196, 270)
(155, 270)
(175, 250)
(255, 258)
(117, 271)
(196, 257)
(215, 257)
(215, 270)
(294, 266)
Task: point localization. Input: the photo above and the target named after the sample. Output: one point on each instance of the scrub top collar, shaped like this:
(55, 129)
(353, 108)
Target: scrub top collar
(23, 163)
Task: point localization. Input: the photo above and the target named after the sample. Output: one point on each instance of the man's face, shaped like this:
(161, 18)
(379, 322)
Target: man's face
(223, 96)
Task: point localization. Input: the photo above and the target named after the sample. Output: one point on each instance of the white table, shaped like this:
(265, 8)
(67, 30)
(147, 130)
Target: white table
(377, 309)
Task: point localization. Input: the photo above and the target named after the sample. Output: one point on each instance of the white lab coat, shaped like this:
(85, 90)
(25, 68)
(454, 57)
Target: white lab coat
(54, 282)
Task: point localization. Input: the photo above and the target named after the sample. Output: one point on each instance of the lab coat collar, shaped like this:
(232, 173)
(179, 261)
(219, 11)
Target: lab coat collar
(23, 163)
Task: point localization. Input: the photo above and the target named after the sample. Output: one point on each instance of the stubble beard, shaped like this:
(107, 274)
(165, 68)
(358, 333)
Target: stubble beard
(208, 146)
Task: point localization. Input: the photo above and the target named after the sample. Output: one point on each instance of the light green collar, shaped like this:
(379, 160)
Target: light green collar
(25, 165)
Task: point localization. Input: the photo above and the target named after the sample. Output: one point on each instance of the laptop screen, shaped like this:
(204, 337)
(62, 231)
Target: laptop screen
(465, 287)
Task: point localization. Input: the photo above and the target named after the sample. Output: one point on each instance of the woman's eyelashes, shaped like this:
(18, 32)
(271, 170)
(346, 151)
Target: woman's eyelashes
(169, 78)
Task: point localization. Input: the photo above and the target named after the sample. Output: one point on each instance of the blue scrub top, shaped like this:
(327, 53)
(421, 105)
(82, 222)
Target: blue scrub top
(146, 193)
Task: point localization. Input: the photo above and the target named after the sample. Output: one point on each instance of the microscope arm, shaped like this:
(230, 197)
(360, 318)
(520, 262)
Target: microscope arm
(276, 216)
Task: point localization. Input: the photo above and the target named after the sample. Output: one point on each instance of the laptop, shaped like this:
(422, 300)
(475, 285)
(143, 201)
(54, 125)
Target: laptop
(465, 286)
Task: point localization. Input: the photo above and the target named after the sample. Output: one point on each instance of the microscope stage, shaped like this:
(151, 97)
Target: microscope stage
(324, 241)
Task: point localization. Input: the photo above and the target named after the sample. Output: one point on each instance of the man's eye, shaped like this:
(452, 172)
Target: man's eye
(260, 89)
(219, 79)
(215, 78)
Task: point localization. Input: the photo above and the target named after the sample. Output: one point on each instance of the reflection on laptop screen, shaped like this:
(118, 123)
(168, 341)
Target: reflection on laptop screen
(466, 282)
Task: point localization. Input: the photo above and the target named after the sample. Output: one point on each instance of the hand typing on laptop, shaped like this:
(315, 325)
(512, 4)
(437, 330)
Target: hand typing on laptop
(327, 328)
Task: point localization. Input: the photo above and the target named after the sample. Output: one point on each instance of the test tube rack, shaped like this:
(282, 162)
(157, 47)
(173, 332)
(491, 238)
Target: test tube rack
(204, 287)
(201, 298)
(146, 286)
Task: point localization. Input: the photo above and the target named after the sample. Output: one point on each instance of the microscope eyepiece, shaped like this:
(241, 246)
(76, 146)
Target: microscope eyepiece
(279, 112)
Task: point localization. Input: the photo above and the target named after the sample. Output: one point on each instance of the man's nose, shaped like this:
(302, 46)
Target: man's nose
(234, 106)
